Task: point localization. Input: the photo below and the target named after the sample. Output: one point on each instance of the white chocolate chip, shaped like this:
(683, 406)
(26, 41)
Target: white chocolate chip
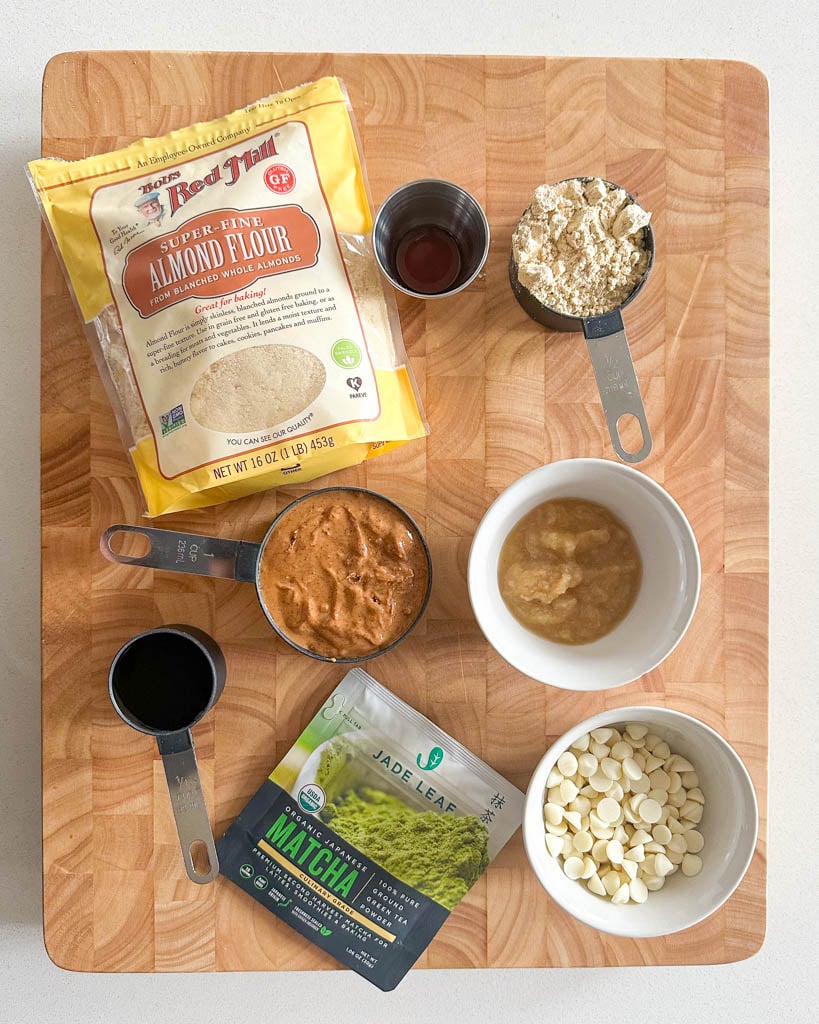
(694, 841)
(596, 886)
(587, 764)
(638, 890)
(678, 844)
(636, 730)
(554, 844)
(567, 764)
(614, 851)
(583, 842)
(621, 750)
(631, 768)
(599, 782)
(582, 742)
(552, 814)
(612, 882)
(650, 811)
(621, 895)
(691, 865)
(573, 867)
(641, 785)
(662, 865)
(608, 810)
(661, 834)
(692, 811)
(611, 768)
(554, 779)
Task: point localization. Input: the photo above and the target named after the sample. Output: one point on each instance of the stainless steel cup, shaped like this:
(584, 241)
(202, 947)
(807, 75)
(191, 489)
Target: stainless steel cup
(432, 202)
(161, 683)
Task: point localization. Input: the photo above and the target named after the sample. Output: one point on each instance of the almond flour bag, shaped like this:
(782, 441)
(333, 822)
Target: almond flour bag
(224, 276)
(370, 831)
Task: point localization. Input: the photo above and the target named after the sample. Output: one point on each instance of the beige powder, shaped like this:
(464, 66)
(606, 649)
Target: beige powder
(579, 247)
(256, 388)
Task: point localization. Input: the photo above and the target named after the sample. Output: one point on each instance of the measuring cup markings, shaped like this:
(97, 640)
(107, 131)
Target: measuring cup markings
(161, 683)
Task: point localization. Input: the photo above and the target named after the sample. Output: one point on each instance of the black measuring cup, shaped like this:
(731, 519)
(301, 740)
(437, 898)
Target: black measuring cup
(608, 348)
(240, 560)
(162, 682)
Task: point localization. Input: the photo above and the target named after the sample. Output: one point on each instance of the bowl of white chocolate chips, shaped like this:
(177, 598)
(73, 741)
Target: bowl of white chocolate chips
(640, 821)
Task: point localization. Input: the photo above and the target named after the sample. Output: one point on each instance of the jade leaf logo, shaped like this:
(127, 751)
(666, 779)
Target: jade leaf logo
(434, 758)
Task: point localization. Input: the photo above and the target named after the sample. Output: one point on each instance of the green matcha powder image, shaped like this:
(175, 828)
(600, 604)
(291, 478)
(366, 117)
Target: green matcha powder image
(440, 855)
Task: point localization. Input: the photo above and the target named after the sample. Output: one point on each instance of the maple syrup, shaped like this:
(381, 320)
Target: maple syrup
(428, 260)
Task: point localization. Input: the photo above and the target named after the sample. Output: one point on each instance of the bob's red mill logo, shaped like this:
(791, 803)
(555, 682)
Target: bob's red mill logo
(181, 192)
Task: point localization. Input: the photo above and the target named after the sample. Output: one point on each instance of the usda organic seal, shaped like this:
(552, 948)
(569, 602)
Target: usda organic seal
(312, 798)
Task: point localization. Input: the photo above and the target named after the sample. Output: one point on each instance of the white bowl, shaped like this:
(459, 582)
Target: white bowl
(729, 826)
(668, 592)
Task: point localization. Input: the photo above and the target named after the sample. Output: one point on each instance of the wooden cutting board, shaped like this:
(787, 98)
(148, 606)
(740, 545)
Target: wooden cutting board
(691, 139)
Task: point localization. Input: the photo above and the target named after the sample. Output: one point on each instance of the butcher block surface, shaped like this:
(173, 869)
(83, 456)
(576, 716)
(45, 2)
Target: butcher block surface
(690, 139)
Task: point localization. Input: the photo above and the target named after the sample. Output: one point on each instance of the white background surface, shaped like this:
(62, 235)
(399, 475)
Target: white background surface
(780, 984)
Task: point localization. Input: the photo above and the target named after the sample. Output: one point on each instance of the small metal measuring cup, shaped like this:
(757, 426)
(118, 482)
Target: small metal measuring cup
(162, 682)
(432, 203)
(608, 348)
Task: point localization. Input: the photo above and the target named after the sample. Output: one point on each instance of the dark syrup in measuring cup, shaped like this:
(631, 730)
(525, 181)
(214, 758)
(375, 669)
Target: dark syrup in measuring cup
(428, 260)
(165, 683)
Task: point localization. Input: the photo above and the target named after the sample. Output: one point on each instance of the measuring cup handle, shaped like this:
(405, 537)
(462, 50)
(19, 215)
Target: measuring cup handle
(188, 803)
(616, 380)
(188, 552)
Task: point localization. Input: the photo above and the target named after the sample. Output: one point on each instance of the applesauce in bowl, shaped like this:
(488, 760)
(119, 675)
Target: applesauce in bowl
(569, 570)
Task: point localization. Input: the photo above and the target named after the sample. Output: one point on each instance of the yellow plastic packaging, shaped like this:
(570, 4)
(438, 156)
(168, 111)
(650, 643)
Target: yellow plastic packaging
(225, 278)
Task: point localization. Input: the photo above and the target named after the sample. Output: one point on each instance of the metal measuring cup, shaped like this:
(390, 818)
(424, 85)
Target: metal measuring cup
(432, 203)
(240, 560)
(608, 348)
(161, 683)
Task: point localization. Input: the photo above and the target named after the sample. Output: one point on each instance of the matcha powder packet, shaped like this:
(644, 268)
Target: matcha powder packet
(370, 831)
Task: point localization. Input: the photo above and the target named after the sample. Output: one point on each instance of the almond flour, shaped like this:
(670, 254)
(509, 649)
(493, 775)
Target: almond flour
(579, 247)
(226, 281)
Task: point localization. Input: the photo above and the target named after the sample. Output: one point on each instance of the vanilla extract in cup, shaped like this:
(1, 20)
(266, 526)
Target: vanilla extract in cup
(428, 259)
(430, 238)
